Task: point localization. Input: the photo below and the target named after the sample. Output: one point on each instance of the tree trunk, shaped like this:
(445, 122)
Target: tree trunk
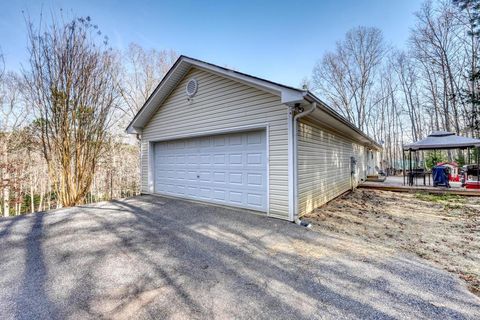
(6, 201)
(32, 196)
(6, 184)
(40, 203)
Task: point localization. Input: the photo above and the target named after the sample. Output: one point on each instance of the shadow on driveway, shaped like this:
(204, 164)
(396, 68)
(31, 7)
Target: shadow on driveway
(151, 257)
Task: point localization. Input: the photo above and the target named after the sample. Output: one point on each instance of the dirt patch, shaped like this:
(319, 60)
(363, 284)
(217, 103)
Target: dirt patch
(440, 228)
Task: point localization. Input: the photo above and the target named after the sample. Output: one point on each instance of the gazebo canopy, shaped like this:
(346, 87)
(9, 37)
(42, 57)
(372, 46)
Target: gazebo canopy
(443, 140)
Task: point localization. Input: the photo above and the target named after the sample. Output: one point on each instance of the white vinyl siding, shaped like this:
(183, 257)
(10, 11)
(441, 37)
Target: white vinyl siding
(221, 104)
(324, 165)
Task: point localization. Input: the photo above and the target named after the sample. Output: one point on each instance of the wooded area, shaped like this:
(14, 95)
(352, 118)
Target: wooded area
(400, 96)
(63, 118)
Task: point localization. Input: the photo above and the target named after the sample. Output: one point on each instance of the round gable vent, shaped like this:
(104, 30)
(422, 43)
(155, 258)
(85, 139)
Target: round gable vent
(191, 88)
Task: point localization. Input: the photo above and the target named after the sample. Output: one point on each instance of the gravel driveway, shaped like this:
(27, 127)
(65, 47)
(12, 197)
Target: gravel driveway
(154, 258)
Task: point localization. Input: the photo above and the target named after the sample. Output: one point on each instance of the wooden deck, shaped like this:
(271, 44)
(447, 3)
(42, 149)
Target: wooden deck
(395, 184)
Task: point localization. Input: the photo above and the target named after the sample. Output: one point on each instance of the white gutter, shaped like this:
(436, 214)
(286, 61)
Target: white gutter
(295, 159)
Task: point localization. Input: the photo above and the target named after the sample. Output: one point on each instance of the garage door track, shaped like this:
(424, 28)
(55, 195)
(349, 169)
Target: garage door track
(154, 258)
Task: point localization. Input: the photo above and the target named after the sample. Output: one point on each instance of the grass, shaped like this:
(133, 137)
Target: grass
(440, 198)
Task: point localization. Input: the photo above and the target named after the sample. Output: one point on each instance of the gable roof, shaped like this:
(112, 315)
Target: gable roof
(289, 95)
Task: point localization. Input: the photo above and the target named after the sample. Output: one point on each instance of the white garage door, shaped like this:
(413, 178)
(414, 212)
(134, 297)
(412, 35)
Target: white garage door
(228, 169)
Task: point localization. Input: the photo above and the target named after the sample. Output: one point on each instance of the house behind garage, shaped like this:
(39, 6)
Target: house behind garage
(216, 135)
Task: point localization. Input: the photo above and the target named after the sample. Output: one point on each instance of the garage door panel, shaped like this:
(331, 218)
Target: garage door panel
(254, 179)
(205, 176)
(219, 194)
(235, 178)
(254, 199)
(228, 169)
(192, 191)
(180, 189)
(235, 197)
(254, 138)
(219, 141)
(180, 159)
(192, 176)
(204, 142)
(235, 159)
(205, 193)
(180, 145)
(243, 186)
(181, 174)
(219, 177)
(219, 159)
(235, 140)
(255, 159)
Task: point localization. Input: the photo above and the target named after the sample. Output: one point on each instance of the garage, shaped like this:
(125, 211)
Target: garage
(228, 169)
(212, 134)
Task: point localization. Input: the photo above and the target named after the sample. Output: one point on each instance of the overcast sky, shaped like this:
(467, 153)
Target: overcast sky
(277, 40)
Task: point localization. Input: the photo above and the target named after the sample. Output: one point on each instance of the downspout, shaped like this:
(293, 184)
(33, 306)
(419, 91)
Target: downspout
(295, 160)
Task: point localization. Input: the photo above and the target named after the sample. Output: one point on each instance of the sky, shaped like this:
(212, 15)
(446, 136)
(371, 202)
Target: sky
(277, 40)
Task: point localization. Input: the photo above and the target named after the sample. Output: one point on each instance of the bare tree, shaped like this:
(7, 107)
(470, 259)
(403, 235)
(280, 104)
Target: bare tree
(71, 84)
(434, 44)
(12, 119)
(408, 80)
(468, 16)
(142, 71)
(346, 77)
